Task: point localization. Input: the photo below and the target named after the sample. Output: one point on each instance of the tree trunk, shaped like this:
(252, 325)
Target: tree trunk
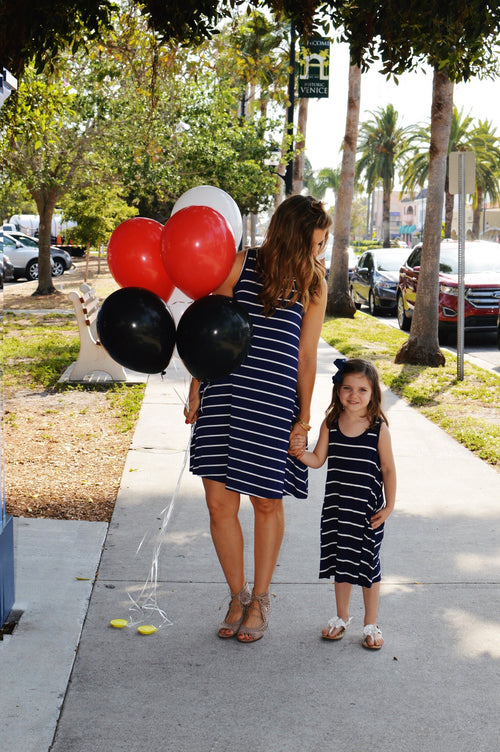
(478, 210)
(422, 346)
(45, 202)
(448, 211)
(386, 218)
(298, 163)
(339, 300)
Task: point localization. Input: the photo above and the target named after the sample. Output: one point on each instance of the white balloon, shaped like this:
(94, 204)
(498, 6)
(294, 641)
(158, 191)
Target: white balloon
(215, 198)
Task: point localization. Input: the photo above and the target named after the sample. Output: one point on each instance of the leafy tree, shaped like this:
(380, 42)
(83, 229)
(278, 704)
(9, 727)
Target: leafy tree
(42, 29)
(382, 145)
(49, 144)
(97, 209)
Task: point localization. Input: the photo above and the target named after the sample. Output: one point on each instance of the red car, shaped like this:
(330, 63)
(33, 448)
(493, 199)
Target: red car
(482, 286)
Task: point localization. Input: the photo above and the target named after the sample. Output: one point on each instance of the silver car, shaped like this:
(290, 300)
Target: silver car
(23, 254)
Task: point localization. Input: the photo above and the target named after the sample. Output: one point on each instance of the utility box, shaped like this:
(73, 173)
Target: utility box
(7, 84)
(7, 590)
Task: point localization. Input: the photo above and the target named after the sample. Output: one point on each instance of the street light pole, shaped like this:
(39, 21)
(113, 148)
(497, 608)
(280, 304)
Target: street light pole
(290, 109)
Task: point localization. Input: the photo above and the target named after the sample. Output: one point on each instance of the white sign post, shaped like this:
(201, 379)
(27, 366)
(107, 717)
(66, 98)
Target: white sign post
(462, 180)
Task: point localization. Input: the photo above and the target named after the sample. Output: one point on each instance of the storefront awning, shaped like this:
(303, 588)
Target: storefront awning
(407, 229)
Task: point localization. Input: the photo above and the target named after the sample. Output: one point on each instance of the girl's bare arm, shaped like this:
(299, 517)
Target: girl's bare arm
(317, 457)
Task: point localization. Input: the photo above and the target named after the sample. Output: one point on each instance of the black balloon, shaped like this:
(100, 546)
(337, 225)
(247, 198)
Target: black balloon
(137, 330)
(213, 337)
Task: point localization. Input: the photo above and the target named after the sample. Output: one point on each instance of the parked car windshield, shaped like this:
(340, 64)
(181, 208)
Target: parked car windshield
(476, 260)
(25, 239)
(390, 261)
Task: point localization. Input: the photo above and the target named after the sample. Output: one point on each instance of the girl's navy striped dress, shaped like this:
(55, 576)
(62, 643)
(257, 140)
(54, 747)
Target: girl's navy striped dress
(350, 548)
(241, 435)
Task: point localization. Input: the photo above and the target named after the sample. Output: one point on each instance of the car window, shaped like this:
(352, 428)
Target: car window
(389, 262)
(362, 261)
(9, 242)
(477, 259)
(27, 241)
(414, 258)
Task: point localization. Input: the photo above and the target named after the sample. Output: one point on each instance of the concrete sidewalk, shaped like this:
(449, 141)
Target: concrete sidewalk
(434, 685)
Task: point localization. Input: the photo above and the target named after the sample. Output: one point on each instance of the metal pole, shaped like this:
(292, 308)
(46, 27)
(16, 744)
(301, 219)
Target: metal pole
(289, 119)
(461, 266)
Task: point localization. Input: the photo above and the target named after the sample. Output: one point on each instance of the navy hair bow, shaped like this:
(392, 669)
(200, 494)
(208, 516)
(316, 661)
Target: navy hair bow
(340, 363)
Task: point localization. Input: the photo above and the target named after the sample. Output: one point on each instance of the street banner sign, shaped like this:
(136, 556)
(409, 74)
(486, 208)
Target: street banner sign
(314, 67)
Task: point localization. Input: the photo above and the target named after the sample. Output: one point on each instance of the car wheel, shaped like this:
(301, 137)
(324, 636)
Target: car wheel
(371, 304)
(356, 304)
(32, 270)
(404, 321)
(58, 267)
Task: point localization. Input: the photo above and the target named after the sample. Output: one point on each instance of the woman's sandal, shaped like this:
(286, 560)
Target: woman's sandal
(335, 623)
(252, 634)
(232, 627)
(371, 630)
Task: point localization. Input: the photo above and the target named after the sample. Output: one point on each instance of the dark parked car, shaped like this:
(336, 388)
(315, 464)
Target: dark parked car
(482, 286)
(6, 269)
(375, 279)
(23, 253)
(351, 257)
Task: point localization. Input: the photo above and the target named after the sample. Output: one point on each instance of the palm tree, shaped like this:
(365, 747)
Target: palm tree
(416, 170)
(486, 146)
(318, 183)
(422, 346)
(339, 300)
(382, 144)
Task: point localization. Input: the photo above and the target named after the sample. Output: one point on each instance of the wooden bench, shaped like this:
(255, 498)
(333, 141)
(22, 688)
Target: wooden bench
(93, 363)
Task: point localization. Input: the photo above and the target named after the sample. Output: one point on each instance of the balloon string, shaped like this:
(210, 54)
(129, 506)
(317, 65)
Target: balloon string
(147, 601)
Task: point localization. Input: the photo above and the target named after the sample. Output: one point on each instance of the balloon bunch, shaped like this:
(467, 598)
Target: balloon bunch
(193, 253)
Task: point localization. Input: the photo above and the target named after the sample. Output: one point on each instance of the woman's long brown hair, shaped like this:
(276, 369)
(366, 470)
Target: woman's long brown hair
(285, 262)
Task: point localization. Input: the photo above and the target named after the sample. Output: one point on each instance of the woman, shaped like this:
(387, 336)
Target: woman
(245, 422)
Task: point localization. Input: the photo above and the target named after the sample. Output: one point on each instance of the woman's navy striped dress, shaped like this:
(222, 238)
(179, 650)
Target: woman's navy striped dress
(241, 435)
(350, 548)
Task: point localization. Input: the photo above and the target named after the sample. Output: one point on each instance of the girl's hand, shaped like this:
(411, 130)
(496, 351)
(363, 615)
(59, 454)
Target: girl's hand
(380, 517)
(191, 409)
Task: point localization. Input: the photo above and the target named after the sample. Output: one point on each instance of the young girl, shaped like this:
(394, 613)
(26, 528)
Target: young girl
(355, 438)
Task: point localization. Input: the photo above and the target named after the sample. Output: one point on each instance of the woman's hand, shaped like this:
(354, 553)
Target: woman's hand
(297, 441)
(192, 406)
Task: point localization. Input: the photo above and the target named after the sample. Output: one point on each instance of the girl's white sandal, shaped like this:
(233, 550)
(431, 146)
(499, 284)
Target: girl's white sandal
(336, 623)
(371, 630)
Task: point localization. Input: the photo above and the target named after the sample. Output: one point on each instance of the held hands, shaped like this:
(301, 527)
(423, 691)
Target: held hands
(297, 443)
(191, 408)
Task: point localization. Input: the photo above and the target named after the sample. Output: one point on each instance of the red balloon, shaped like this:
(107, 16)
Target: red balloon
(134, 256)
(198, 250)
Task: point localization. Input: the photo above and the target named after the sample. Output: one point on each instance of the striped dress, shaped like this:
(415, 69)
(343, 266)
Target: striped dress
(350, 548)
(241, 435)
